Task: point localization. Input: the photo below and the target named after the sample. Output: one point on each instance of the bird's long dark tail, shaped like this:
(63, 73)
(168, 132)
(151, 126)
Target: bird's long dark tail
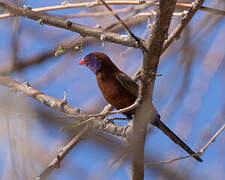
(159, 124)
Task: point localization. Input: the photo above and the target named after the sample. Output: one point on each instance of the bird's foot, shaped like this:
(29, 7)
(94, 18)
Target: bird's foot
(106, 121)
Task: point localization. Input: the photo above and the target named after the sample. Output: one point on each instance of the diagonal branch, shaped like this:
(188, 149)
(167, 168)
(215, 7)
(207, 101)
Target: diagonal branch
(139, 43)
(112, 2)
(55, 163)
(62, 106)
(66, 24)
(179, 29)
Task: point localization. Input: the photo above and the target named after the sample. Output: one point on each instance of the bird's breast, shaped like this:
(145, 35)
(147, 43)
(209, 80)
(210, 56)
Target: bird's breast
(114, 92)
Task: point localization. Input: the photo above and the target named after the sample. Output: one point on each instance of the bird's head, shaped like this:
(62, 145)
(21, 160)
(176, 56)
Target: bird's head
(98, 61)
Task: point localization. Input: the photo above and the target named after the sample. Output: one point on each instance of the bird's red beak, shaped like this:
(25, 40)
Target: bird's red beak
(82, 62)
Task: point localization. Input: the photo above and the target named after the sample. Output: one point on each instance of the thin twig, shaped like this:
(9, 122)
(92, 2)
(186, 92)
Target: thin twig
(175, 35)
(139, 43)
(212, 139)
(114, 2)
(68, 25)
(199, 153)
(55, 163)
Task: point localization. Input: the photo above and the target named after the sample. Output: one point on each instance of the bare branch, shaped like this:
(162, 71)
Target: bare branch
(66, 24)
(146, 111)
(55, 163)
(212, 139)
(138, 42)
(113, 2)
(179, 29)
(60, 105)
(199, 153)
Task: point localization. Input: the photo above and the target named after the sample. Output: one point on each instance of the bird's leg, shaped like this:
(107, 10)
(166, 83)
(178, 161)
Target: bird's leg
(106, 121)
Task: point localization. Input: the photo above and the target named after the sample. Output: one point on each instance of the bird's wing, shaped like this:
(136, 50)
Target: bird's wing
(127, 83)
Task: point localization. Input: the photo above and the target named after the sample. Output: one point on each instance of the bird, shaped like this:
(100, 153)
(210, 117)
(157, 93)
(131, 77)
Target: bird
(121, 91)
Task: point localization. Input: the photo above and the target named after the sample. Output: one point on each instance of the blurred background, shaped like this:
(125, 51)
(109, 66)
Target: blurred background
(189, 96)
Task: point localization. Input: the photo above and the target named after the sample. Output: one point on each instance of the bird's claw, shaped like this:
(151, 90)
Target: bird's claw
(124, 131)
(106, 121)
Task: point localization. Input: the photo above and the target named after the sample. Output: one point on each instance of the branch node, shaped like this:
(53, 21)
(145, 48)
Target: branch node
(159, 75)
(65, 97)
(29, 8)
(141, 1)
(98, 26)
(98, 1)
(77, 111)
(64, 3)
(68, 23)
(27, 84)
(184, 13)
(103, 37)
(57, 165)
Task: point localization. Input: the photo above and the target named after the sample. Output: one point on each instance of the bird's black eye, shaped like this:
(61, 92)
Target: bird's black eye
(86, 61)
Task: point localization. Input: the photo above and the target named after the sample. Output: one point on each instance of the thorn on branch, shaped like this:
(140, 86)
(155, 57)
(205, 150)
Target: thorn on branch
(65, 97)
(27, 84)
(159, 75)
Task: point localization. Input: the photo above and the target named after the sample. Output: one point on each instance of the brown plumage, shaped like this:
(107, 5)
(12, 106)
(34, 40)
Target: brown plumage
(121, 91)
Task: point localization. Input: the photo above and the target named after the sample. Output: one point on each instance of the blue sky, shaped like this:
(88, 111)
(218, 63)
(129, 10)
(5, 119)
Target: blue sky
(196, 112)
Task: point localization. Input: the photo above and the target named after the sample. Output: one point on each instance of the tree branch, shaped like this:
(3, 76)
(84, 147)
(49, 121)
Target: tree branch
(61, 105)
(146, 112)
(55, 163)
(112, 2)
(179, 29)
(66, 24)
